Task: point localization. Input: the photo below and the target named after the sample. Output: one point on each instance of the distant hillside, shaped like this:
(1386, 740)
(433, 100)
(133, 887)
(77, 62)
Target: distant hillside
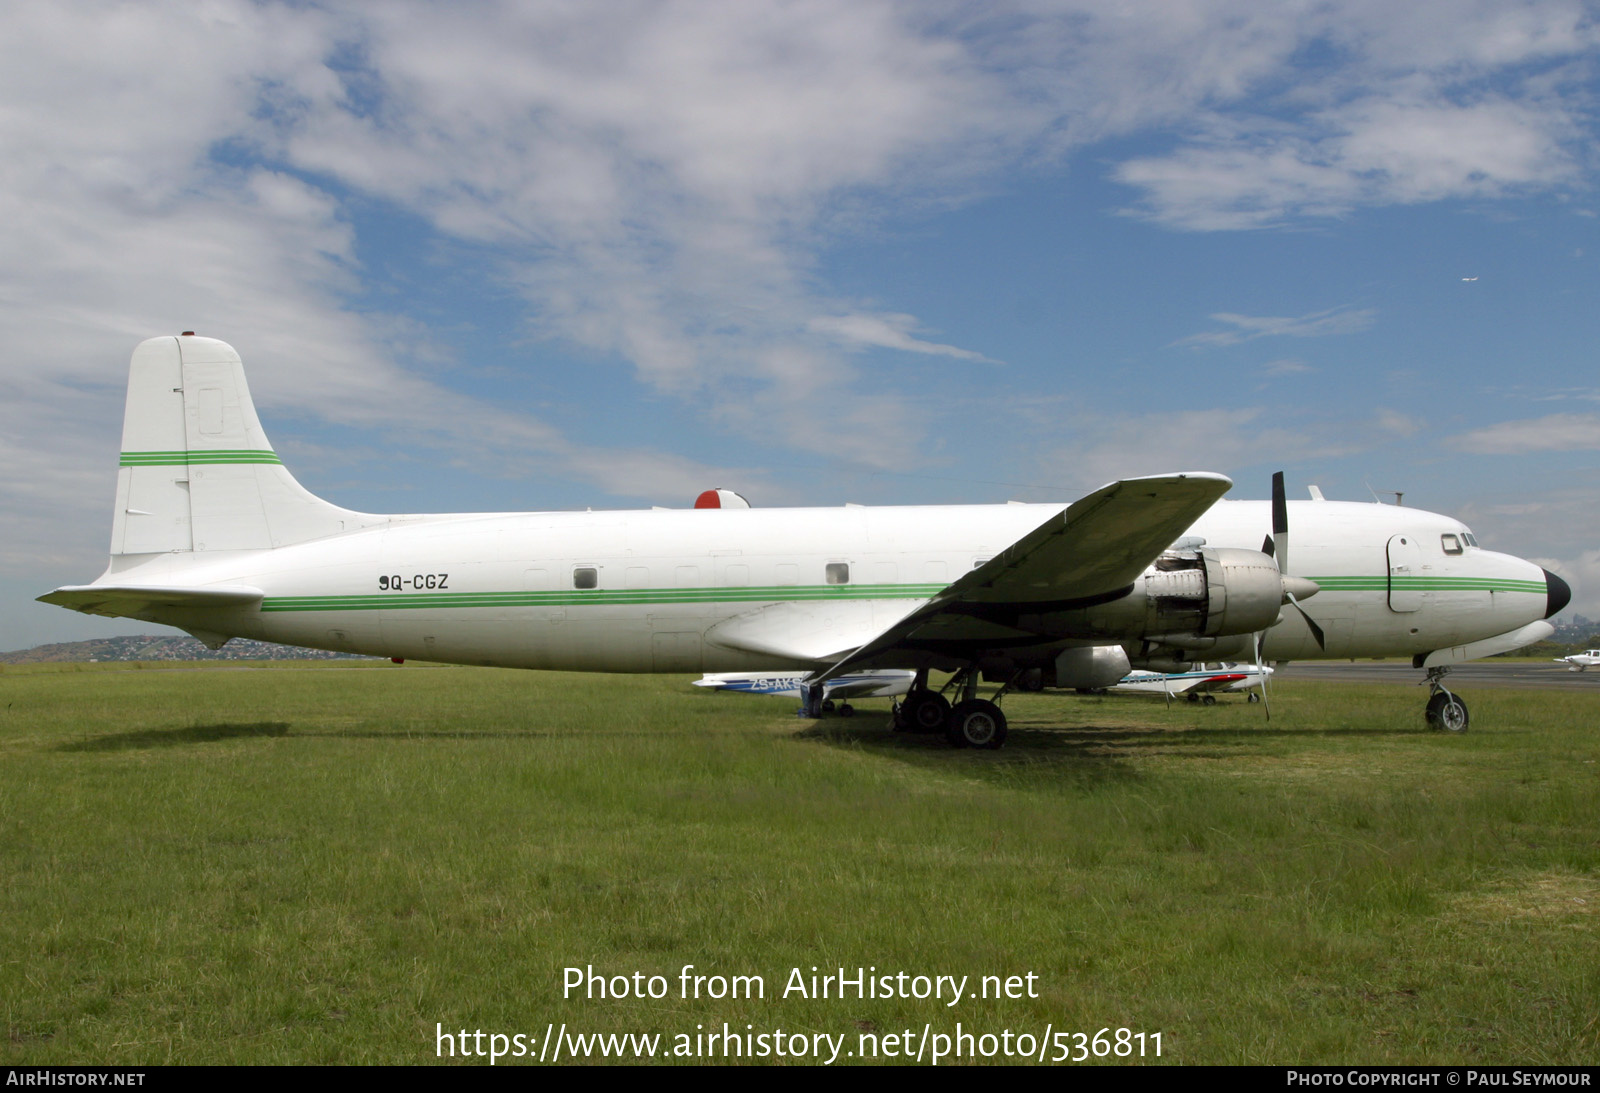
(164, 647)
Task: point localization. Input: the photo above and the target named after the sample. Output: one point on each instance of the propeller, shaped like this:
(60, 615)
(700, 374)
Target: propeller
(1261, 678)
(1276, 547)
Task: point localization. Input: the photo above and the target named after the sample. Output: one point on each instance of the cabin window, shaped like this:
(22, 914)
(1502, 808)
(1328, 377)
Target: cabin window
(1451, 544)
(837, 572)
(585, 576)
(978, 562)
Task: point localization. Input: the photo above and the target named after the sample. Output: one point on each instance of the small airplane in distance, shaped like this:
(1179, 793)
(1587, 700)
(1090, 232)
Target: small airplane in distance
(213, 535)
(1201, 684)
(874, 683)
(1577, 662)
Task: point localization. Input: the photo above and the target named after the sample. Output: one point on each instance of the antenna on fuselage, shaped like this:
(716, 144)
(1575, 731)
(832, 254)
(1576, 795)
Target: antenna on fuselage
(1398, 494)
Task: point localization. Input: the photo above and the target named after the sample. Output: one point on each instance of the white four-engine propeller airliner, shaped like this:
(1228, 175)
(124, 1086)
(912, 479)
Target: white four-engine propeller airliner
(213, 535)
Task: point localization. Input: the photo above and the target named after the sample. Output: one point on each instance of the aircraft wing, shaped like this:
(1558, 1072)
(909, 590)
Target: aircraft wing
(1091, 552)
(126, 601)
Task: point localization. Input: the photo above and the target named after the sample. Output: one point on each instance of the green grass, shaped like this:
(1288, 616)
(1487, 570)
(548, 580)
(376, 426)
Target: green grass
(257, 865)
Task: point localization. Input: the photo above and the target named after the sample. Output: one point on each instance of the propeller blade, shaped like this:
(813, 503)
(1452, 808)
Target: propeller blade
(1280, 522)
(1311, 623)
(1261, 675)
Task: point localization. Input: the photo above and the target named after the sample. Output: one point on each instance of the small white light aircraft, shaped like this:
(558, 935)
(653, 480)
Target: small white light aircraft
(1577, 662)
(213, 535)
(1200, 684)
(873, 683)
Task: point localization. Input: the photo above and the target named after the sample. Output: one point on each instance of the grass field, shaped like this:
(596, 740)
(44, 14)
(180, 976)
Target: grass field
(323, 864)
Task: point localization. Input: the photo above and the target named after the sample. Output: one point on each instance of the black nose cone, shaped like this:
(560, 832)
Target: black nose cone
(1558, 594)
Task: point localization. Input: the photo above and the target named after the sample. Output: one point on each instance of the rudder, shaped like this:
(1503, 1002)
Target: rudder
(197, 472)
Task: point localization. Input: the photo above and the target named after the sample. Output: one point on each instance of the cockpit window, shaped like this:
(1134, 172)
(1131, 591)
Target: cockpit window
(1472, 540)
(1451, 544)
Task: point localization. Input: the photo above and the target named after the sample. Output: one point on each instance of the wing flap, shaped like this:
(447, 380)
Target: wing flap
(813, 633)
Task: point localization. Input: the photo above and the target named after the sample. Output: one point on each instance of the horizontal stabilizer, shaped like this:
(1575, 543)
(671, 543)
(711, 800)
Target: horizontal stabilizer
(127, 600)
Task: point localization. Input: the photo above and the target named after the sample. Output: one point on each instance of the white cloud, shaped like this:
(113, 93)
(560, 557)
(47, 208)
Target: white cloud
(887, 332)
(1426, 102)
(1552, 433)
(1108, 447)
(1320, 324)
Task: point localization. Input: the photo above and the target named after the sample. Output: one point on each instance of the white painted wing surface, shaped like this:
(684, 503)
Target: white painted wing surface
(1096, 548)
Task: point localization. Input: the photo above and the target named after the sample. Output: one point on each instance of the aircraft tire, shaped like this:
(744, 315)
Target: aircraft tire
(1448, 713)
(925, 711)
(1252, 697)
(846, 710)
(976, 724)
(1208, 700)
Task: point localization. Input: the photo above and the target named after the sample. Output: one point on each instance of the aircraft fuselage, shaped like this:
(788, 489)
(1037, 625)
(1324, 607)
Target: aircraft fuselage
(673, 591)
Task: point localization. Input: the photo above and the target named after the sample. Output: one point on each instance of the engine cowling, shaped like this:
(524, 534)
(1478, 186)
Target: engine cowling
(1186, 599)
(1090, 667)
(1211, 592)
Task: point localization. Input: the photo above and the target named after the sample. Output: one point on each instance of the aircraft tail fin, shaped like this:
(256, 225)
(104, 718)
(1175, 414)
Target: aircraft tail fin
(197, 472)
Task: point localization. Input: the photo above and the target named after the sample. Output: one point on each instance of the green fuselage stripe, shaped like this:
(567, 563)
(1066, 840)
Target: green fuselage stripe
(193, 458)
(600, 597)
(1429, 584)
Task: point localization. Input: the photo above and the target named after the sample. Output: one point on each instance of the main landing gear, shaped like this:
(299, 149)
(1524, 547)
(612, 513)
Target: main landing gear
(972, 722)
(1445, 711)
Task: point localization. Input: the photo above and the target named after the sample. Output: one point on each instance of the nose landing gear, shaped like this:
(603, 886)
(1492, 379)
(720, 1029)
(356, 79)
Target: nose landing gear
(1445, 711)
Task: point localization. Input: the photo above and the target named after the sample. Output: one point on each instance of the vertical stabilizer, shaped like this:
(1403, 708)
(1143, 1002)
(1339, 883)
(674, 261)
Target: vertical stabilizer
(197, 471)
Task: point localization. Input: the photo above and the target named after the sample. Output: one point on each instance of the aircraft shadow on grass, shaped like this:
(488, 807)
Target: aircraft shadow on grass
(139, 739)
(209, 734)
(1029, 740)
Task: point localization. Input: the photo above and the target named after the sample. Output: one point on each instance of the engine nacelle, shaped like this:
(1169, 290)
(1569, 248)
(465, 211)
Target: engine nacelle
(1187, 599)
(1090, 667)
(1244, 592)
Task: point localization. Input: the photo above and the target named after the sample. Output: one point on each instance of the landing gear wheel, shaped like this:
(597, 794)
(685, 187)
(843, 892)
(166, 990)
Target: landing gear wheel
(827, 705)
(976, 724)
(1252, 697)
(1446, 711)
(846, 710)
(1192, 697)
(1208, 700)
(924, 712)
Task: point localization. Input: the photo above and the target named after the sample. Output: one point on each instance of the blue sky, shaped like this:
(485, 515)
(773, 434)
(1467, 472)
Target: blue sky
(501, 256)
